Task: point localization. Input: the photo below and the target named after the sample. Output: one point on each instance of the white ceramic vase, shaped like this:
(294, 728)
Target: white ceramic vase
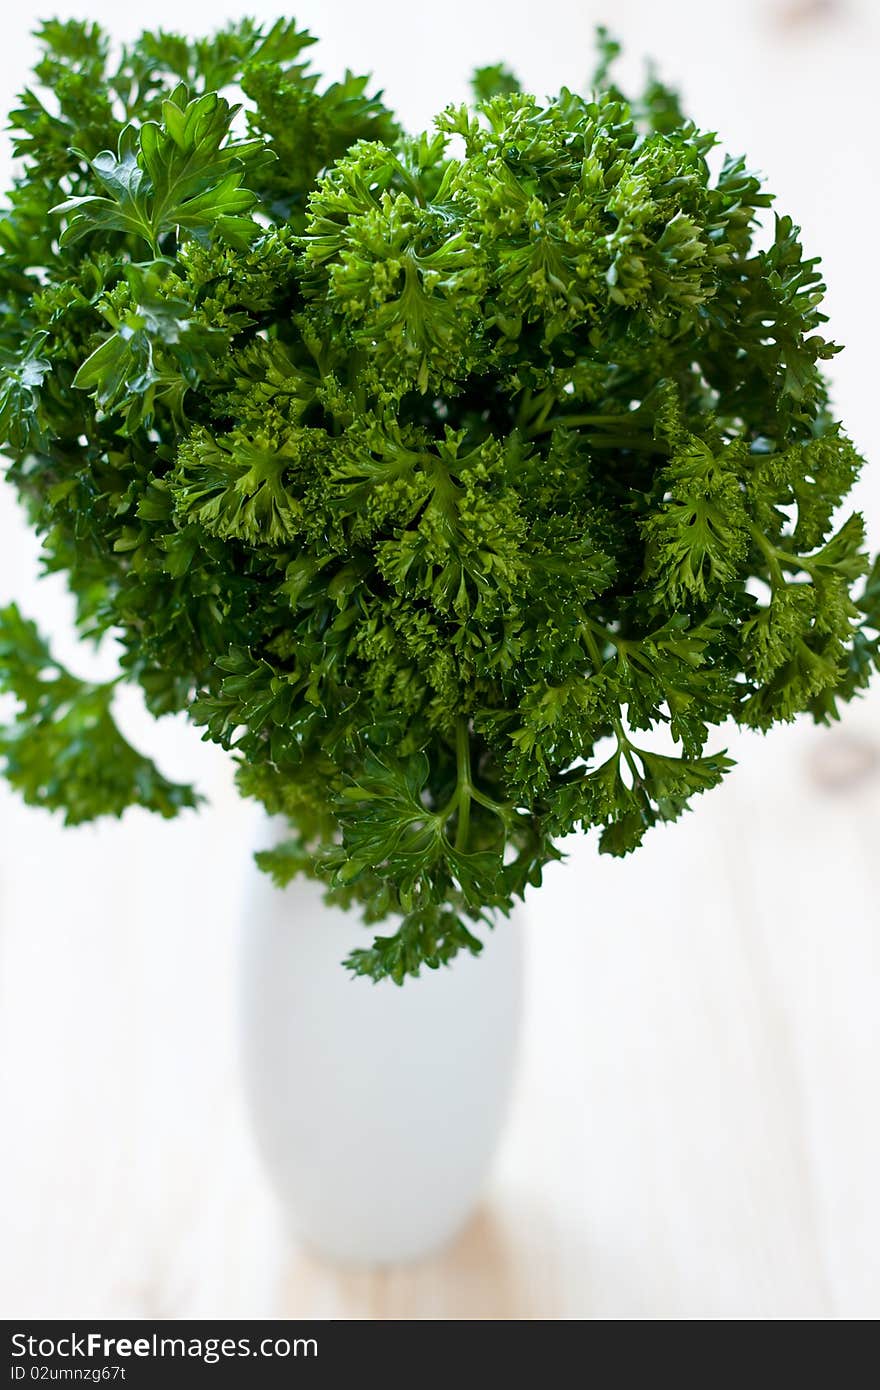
(377, 1109)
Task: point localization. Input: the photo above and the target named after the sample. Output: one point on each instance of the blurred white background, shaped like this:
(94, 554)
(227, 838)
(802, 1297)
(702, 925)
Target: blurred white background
(696, 1132)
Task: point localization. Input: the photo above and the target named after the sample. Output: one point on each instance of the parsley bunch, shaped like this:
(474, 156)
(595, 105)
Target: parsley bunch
(429, 475)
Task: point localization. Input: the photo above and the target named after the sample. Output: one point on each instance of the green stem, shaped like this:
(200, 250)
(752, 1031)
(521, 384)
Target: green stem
(771, 554)
(463, 758)
(540, 421)
(626, 748)
(498, 808)
(525, 407)
(589, 628)
(614, 419)
(465, 792)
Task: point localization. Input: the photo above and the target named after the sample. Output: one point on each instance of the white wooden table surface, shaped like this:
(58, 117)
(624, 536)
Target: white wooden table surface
(695, 1132)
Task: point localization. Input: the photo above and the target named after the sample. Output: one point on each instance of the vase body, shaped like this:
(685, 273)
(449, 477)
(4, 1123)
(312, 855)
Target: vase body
(377, 1109)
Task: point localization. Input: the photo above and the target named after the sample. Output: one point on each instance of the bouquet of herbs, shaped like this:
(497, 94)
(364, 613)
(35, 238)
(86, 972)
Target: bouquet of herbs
(429, 474)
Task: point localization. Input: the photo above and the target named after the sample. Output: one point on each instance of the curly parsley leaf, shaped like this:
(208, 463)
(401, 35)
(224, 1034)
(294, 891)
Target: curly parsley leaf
(63, 750)
(183, 174)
